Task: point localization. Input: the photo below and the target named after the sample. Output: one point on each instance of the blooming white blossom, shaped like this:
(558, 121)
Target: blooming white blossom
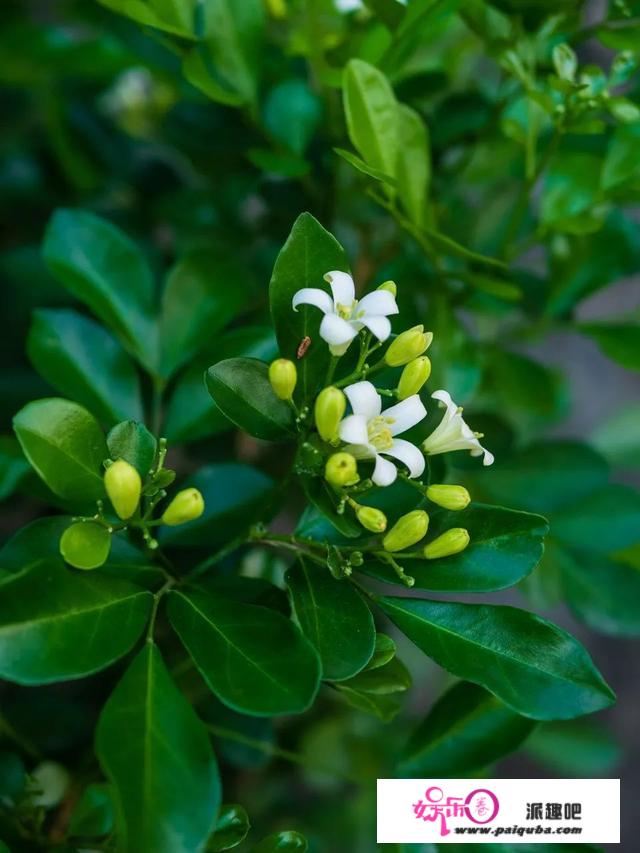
(370, 432)
(344, 315)
(452, 433)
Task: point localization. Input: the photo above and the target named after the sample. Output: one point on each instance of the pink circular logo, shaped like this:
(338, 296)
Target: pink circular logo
(481, 806)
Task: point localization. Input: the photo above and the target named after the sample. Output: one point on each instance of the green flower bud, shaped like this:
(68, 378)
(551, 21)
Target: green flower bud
(407, 530)
(371, 519)
(413, 377)
(123, 485)
(341, 470)
(451, 542)
(329, 410)
(85, 545)
(283, 377)
(47, 784)
(390, 286)
(407, 346)
(449, 497)
(187, 505)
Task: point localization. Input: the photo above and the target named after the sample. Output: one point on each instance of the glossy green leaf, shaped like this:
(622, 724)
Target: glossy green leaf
(57, 624)
(308, 254)
(171, 16)
(536, 668)
(292, 113)
(65, 445)
(211, 282)
(94, 815)
(320, 494)
(333, 617)
(255, 660)
(607, 520)
(359, 164)
(164, 772)
(467, 730)
(100, 266)
(383, 652)
(13, 466)
(371, 111)
(234, 497)
(619, 341)
(413, 169)
(282, 842)
(379, 690)
(232, 827)
(241, 390)
(505, 547)
(83, 361)
(134, 443)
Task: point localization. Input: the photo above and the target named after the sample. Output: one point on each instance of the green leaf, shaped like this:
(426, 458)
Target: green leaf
(134, 443)
(467, 730)
(254, 659)
(571, 193)
(292, 113)
(282, 842)
(378, 690)
(413, 170)
(164, 772)
(94, 815)
(618, 341)
(209, 281)
(234, 497)
(371, 111)
(81, 360)
(320, 494)
(621, 163)
(232, 827)
(523, 384)
(536, 668)
(576, 749)
(384, 651)
(65, 445)
(505, 547)
(13, 466)
(618, 437)
(171, 16)
(334, 618)
(100, 266)
(607, 520)
(57, 624)
(241, 390)
(308, 254)
(191, 413)
(359, 164)
(390, 12)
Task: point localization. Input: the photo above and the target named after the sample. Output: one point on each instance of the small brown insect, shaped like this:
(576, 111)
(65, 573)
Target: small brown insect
(305, 343)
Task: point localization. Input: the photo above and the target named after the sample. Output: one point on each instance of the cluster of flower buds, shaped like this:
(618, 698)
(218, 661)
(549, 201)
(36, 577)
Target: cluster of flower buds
(86, 543)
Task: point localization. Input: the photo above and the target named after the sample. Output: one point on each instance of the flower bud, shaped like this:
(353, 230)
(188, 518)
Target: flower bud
(451, 542)
(123, 485)
(329, 410)
(407, 530)
(413, 377)
(85, 545)
(186, 506)
(407, 346)
(390, 286)
(341, 470)
(449, 497)
(283, 377)
(372, 519)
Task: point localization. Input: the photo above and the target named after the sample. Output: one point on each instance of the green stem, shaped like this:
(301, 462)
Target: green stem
(157, 598)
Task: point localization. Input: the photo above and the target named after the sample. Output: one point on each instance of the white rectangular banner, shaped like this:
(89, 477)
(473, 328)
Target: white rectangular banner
(514, 811)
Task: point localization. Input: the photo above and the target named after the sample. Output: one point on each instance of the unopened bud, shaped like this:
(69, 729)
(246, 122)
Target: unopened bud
(85, 545)
(390, 286)
(283, 377)
(449, 497)
(407, 346)
(186, 506)
(329, 410)
(407, 530)
(413, 377)
(372, 519)
(451, 542)
(341, 470)
(123, 485)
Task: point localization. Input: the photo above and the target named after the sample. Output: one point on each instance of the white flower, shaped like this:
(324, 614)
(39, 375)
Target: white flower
(344, 315)
(370, 433)
(452, 433)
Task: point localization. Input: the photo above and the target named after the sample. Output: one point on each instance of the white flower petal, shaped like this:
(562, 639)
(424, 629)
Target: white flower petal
(361, 451)
(408, 454)
(384, 473)
(380, 326)
(342, 287)
(380, 302)
(353, 429)
(445, 397)
(405, 414)
(313, 296)
(364, 399)
(336, 331)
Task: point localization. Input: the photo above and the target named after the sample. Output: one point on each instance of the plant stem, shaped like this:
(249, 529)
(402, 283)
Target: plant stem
(157, 598)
